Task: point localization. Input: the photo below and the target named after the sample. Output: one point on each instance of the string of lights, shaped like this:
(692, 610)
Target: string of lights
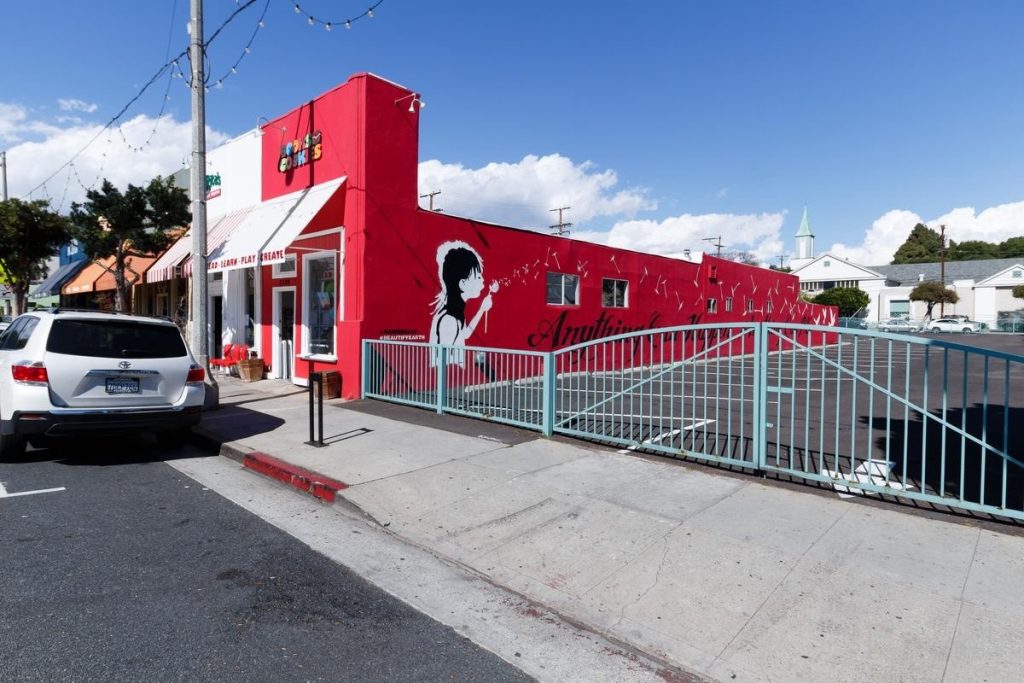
(329, 25)
(173, 69)
(245, 51)
(170, 66)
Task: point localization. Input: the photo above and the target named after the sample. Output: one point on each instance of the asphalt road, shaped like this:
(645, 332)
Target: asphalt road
(133, 571)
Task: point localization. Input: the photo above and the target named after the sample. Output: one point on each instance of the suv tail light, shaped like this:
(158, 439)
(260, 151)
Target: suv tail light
(30, 373)
(196, 375)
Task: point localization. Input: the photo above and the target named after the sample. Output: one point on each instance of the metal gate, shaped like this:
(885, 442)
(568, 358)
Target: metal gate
(864, 412)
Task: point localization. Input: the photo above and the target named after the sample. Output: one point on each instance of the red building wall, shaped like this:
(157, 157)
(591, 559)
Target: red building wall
(391, 277)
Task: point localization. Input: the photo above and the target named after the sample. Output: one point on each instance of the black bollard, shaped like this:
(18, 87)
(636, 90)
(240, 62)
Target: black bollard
(316, 387)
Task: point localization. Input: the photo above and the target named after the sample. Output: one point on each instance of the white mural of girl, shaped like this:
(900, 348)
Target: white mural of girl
(461, 272)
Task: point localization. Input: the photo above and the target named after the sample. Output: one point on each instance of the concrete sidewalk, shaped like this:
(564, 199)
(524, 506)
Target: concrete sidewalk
(726, 576)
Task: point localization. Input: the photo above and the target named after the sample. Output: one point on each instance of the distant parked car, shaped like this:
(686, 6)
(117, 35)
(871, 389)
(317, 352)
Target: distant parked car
(71, 374)
(898, 325)
(954, 325)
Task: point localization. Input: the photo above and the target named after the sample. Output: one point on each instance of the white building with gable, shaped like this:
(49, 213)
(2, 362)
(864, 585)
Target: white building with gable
(984, 286)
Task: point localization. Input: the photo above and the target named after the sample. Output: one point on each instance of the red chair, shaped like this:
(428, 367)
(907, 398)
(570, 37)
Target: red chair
(226, 360)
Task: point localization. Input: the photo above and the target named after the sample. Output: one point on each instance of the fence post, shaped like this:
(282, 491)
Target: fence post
(548, 395)
(364, 376)
(442, 378)
(760, 395)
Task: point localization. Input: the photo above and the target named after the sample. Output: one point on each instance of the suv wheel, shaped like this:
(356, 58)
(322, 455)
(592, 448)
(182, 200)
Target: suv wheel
(936, 330)
(968, 330)
(11, 446)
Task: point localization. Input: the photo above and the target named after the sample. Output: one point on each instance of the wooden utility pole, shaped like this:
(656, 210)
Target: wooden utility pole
(716, 242)
(942, 267)
(560, 227)
(431, 195)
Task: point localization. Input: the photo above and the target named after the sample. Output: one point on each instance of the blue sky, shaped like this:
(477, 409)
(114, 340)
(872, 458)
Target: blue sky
(661, 123)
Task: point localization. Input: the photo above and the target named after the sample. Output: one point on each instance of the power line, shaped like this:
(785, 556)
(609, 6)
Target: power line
(169, 66)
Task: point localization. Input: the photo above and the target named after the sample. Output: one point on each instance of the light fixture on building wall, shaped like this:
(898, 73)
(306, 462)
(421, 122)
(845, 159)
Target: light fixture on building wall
(266, 122)
(414, 99)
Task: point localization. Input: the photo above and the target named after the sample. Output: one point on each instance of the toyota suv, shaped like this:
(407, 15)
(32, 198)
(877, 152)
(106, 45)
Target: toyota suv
(66, 373)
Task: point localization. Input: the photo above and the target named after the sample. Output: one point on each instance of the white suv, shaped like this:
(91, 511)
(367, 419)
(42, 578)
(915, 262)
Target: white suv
(73, 373)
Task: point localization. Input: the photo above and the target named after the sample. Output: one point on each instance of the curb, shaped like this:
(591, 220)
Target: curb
(299, 478)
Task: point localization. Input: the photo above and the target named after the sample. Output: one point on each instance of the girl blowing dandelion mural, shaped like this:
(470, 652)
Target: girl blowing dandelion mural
(461, 273)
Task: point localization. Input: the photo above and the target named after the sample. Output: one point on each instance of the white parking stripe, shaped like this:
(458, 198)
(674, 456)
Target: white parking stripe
(4, 494)
(30, 493)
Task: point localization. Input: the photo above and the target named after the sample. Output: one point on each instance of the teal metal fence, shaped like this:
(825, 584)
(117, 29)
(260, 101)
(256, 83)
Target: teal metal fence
(864, 412)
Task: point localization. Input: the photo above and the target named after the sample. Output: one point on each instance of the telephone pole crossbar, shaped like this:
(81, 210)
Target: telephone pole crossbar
(560, 227)
(431, 195)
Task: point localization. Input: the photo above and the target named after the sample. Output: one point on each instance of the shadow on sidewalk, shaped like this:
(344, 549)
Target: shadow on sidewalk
(233, 422)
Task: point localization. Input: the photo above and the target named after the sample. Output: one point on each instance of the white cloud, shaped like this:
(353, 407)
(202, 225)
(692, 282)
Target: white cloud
(755, 233)
(43, 147)
(77, 105)
(722, 193)
(521, 194)
(886, 234)
(881, 240)
(993, 224)
(12, 120)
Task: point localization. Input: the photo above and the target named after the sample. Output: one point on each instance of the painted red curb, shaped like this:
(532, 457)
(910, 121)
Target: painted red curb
(297, 477)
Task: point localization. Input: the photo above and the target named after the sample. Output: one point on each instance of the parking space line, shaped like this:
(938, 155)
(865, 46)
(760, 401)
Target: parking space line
(5, 494)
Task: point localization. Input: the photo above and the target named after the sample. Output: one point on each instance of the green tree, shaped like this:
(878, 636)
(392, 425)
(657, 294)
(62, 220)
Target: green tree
(849, 300)
(932, 292)
(971, 250)
(923, 245)
(29, 235)
(137, 222)
(1018, 292)
(1012, 247)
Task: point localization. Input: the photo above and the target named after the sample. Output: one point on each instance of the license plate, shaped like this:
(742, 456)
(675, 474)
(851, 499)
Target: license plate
(122, 385)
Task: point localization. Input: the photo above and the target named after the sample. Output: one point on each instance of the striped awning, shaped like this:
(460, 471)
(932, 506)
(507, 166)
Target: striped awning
(177, 260)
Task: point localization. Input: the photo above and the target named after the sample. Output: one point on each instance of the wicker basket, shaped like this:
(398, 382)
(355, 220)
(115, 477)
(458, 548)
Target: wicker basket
(250, 369)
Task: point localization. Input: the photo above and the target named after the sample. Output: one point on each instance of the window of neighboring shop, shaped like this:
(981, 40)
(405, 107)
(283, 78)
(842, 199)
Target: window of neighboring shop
(899, 307)
(320, 303)
(1018, 274)
(563, 290)
(613, 293)
(286, 269)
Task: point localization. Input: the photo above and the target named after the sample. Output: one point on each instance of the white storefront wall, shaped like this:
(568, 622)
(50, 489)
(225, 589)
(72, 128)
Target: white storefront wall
(237, 163)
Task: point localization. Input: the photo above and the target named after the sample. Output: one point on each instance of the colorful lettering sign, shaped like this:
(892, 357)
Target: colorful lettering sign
(299, 152)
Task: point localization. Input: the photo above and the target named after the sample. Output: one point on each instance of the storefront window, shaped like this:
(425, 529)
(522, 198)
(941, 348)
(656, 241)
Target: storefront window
(320, 304)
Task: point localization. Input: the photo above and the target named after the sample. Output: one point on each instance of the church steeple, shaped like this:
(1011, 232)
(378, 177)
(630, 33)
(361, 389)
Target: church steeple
(804, 239)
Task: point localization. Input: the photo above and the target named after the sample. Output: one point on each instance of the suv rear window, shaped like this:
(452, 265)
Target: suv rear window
(115, 339)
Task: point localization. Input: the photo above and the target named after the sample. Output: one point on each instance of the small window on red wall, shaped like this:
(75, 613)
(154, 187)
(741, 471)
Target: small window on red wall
(613, 293)
(563, 289)
(712, 305)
